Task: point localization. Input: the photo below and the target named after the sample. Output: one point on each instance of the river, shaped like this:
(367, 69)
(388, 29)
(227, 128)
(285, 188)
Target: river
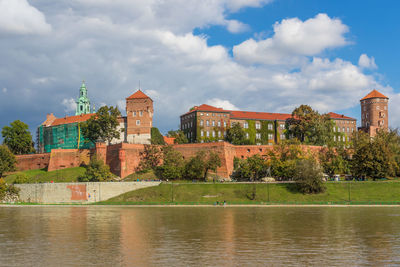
(199, 236)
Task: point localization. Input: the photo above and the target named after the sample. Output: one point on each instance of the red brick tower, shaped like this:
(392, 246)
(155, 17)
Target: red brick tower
(139, 113)
(374, 112)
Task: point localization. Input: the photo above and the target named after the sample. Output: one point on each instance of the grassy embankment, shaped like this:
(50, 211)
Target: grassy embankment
(238, 193)
(43, 176)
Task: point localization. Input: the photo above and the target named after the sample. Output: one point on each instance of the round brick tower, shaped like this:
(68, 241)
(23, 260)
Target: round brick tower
(374, 112)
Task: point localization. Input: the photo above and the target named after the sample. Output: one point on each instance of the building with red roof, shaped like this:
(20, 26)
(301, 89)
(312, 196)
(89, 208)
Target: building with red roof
(374, 112)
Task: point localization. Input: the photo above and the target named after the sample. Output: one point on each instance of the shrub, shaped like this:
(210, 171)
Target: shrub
(21, 178)
(173, 166)
(7, 160)
(96, 171)
(309, 176)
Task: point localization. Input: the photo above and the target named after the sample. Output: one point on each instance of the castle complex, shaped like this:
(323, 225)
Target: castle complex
(65, 132)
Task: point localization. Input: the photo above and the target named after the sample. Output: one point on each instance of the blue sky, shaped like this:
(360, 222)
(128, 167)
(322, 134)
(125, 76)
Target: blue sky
(259, 55)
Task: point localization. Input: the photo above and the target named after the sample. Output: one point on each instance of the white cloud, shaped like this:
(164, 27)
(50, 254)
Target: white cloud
(235, 26)
(69, 104)
(4, 90)
(293, 40)
(18, 16)
(225, 104)
(367, 62)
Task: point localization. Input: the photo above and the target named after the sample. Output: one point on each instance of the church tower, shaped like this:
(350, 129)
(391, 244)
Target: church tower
(374, 112)
(83, 102)
(139, 113)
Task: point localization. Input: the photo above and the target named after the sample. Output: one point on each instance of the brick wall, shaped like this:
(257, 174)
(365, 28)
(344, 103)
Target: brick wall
(68, 158)
(32, 161)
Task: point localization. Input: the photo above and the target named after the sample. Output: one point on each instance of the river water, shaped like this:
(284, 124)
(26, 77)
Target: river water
(199, 236)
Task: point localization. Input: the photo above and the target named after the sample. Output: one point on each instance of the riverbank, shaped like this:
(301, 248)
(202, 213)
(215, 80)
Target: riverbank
(337, 193)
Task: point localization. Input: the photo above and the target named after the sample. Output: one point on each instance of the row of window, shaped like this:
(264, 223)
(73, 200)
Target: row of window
(187, 125)
(213, 114)
(212, 123)
(140, 113)
(344, 122)
(343, 129)
(213, 133)
(341, 138)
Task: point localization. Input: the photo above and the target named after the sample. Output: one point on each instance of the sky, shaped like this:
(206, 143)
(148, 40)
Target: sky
(255, 55)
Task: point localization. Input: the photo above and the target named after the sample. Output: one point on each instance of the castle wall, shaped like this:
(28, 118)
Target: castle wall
(32, 161)
(68, 158)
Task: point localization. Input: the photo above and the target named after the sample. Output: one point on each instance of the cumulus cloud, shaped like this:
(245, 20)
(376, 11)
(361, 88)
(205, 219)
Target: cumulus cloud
(235, 26)
(220, 103)
(294, 39)
(69, 104)
(18, 16)
(367, 62)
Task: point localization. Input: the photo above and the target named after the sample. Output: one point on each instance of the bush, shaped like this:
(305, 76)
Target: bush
(309, 176)
(156, 137)
(7, 160)
(173, 166)
(96, 171)
(253, 168)
(21, 178)
(4, 189)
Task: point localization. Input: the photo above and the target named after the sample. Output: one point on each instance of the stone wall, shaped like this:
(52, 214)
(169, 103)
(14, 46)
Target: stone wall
(68, 158)
(32, 161)
(80, 193)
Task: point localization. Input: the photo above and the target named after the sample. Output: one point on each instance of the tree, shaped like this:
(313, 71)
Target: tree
(173, 166)
(213, 161)
(180, 137)
(150, 158)
(375, 157)
(96, 171)
(7, 160)
(156, 137)
(335, 161)
(102, 127)
(199, 166)
(18, 138)
(236, 135)
(253, 168)
(308, 177)
(308, 126)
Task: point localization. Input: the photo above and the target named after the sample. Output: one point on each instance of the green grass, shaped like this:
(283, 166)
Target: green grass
(42, 176)
(237, 193)
(141, 176)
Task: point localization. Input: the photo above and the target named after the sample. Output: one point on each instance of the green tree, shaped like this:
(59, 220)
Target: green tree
(253, 168)
(18, 138)
(308, 177)
(212, 163)
(96, 171)
(7, 160)
(236, 135)
(156, 137)
(308, 126)
(102, 127)
(180, 137)
(199, 166)
(374, 157)
(150, 158)
(173, 166)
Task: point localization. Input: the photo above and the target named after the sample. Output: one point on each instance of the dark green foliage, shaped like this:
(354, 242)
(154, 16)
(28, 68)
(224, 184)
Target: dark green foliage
(18, 138)
(150, 158)
(156, 137)
(7, 160)
(198, 166)
(173, 166)
(308, 126)
(102, 127)
(7, 189)
(236, 135)
(253, 168)
(21, 178)
(308, 177)
(180, 137)
(375, 157)
(96, 171)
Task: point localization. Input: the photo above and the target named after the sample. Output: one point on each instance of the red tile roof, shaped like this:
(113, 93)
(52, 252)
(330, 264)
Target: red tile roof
(72, 119)
(169, 140)
(205, 107)
(339, 116)
(374, 94)
(138, 95)
(259, 115)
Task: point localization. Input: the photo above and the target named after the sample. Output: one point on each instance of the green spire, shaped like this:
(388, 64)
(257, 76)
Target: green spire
(83, 102)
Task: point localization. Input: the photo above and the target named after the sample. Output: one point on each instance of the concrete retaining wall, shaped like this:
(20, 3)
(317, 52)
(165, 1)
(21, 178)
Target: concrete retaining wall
(58, 193)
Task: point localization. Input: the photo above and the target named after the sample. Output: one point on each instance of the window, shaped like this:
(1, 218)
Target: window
(282, 136)
(344, 129)
(246, 125)
(219, 123)
(202, 133)
(259, 144)
(338, 129)
(201, 123)
(140, 113)
(213, 123)
(208, 123)
(213, 114)
(282, 126)
(206, 114)
(134, 113)
(258, 126)
(208, 134)
(270, 136)
(213, 133)
(348, 129)
(334, 138)
(224, 123)
(269, 126)
(338, 138)
(201, 114)
(247, 135)
(224, 133)
(219, 133)
(137, 122)
(334, 129)
(258, 136)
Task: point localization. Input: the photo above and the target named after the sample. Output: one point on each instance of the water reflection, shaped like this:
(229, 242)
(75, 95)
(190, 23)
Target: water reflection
(214, 236)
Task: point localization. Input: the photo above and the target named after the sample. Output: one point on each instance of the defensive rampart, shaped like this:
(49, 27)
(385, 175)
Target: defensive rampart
(32, 161)
(79, 193)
